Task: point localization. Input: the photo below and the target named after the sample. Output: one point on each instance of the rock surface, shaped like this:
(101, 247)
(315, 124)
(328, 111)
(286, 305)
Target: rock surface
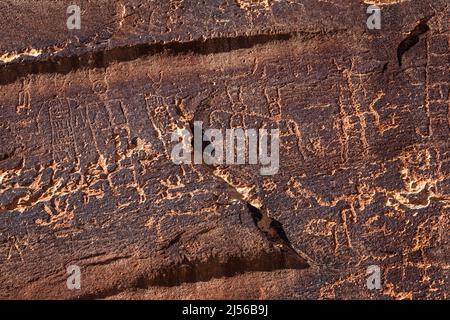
(86, 118)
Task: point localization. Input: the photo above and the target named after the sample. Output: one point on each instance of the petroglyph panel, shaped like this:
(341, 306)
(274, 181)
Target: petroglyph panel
(87, 177)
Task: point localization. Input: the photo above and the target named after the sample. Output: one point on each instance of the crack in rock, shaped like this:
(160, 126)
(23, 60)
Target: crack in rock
(412, 39)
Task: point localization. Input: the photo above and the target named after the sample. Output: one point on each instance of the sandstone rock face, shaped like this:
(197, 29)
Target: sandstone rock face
(87, 178)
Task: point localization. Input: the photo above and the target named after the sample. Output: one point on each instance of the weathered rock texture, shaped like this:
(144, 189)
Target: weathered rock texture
(85, 169)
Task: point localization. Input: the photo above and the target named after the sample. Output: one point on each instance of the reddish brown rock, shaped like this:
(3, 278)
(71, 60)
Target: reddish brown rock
(86, 176)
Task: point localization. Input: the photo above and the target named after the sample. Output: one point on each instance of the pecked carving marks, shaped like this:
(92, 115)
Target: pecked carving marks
(355, 173)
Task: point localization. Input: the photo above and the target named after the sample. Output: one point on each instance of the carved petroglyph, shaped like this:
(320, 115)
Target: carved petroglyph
(86, 174)
(62, 135)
